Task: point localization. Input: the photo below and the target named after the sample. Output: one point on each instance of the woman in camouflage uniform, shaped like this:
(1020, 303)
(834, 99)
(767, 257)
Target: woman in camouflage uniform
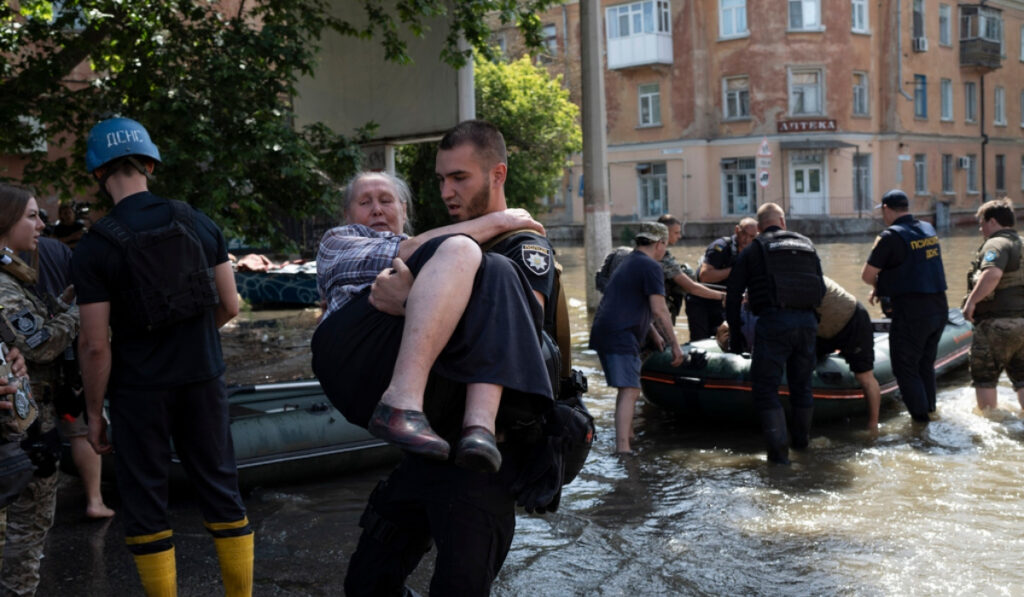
(42, 337)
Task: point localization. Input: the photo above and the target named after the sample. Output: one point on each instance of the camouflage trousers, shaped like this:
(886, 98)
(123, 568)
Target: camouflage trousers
(26, 522)
(24, 529)
(998, 346)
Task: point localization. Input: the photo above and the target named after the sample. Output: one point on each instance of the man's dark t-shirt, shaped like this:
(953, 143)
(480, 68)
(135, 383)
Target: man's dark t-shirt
(186, 352)
(889, 252)
(624, 316)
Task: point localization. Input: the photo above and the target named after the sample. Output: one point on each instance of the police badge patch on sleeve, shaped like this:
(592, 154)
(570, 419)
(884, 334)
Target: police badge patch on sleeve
(537, 258)
(990, 256)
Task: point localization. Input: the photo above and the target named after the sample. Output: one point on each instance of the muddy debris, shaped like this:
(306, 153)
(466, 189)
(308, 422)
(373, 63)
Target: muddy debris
(268, 346)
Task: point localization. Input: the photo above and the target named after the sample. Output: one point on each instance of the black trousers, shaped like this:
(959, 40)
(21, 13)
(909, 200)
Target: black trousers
(703, 316)
(913, 345)
(468, 516)
(143, 423)
(783, 345)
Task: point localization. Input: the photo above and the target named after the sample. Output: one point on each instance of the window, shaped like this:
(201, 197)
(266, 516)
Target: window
(550, 40)
(999, 99)
(945, 25)
(920, 173)
(918, 18)
(806, 92)
(980, 22)
(860, 94)
(739, 186)
(947, 99)
(972, 173)
(736, 99)
(732, 18)
(638, 18)
(499, 40)
(862, 182)
(970, 101)
(1022, 108)
(805, 15)
(650, 105)
(947, 173)
(653, 189)
(1000, 172)
(859, 16)
(920, 96)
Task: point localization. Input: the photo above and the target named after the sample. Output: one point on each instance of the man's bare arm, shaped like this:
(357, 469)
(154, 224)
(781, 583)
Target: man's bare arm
(94, 357)
(713, 275)
(697, 289)
(663, 322)
(985, 286)
(227, 291)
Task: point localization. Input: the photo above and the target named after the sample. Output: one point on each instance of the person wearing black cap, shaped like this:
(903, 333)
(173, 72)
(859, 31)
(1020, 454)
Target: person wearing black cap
(781, 273)
(905, 266)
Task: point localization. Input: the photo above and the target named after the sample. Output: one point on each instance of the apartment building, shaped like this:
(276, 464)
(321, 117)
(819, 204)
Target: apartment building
(716, 106)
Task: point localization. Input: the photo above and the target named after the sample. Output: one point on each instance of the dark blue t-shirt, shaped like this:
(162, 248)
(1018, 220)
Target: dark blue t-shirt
(624, 315)
(186, 352)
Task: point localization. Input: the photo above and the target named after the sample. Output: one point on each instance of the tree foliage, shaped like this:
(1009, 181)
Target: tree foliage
(213, 88)
(541, 130)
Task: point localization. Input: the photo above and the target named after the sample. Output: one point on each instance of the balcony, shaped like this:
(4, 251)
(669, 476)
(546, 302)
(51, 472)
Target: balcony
(981, 36)
(641, 49)
(980, 54)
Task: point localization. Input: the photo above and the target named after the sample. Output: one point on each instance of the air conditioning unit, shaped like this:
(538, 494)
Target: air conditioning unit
(920, 44)
(963, 163)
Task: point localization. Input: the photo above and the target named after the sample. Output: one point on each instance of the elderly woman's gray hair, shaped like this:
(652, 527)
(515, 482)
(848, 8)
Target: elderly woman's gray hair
(401, 189)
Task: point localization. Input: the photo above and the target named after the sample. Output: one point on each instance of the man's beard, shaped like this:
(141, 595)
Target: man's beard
(477, 204)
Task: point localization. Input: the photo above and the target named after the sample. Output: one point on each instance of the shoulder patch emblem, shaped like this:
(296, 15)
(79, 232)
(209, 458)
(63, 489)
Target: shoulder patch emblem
(537, 258)
(24, 322)
(990, 256)
(719, 248)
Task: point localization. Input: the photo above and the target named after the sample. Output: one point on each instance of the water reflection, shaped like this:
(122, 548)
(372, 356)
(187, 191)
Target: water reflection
(913, 510)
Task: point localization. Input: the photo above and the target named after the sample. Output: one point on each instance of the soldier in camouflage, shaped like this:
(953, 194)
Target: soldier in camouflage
(996, 304)
(42, 337)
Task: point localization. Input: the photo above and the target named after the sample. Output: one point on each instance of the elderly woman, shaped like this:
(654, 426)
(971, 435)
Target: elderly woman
(469, 318)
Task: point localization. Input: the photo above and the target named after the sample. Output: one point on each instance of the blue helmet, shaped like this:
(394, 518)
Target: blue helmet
(118, 137)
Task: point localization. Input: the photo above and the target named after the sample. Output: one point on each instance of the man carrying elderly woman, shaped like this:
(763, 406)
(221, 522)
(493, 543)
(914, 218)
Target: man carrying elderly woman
(467, 319)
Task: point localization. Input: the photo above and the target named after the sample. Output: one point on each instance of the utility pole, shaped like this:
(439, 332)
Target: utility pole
(597, 228)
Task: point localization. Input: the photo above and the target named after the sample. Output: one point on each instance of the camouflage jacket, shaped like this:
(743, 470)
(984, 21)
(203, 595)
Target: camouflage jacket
(40, 335)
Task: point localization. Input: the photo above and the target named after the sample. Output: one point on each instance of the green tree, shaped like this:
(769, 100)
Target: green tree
(213, 89)
(541, 129)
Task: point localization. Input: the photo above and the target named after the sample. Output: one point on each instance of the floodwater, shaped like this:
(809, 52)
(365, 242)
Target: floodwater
(936, 510)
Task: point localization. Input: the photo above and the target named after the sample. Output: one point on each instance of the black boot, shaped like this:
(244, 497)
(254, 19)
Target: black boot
(773, 424)
(801, 429)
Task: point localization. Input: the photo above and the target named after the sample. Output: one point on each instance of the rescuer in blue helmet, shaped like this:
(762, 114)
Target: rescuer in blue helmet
(120, 140)
(156, 273)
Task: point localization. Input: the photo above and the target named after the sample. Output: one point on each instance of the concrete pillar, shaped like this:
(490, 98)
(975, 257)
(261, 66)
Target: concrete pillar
(597, 229)
(465, 82)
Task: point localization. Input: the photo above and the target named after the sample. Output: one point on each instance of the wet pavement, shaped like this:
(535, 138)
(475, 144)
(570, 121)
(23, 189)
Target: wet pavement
(304, 536)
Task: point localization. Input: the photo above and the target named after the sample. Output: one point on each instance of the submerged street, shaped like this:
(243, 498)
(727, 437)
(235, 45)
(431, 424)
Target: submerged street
(933, 510)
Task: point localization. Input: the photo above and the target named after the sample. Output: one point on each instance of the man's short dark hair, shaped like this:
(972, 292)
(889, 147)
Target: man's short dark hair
(1000, 210)
(669, 220)
(483, 136)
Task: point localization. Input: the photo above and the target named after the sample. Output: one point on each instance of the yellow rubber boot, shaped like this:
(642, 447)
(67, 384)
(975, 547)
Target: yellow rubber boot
(158, 573)
(235, 555)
